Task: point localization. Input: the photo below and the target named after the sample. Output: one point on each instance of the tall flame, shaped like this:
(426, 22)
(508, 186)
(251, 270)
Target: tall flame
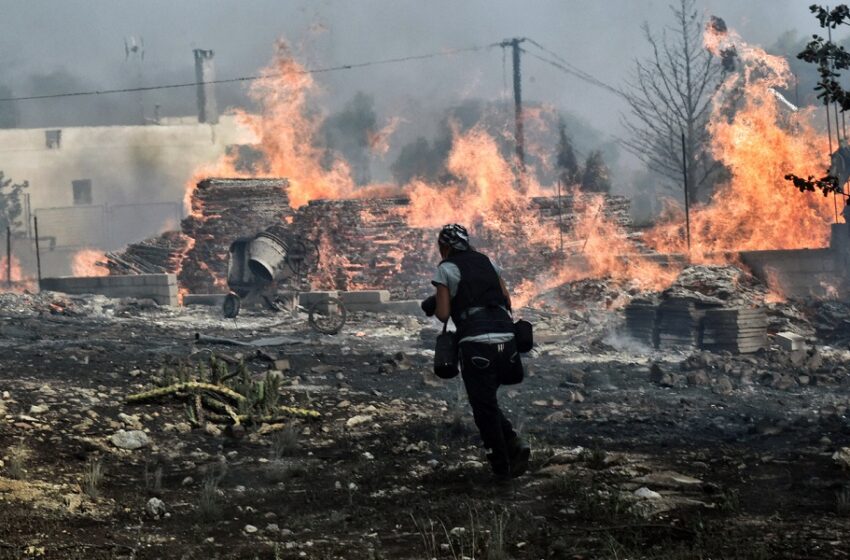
(757, 140)
(286, 129)
(759, 144)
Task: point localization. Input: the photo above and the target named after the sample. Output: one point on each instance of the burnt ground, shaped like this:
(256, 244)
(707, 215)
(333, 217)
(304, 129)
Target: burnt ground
(718, 457)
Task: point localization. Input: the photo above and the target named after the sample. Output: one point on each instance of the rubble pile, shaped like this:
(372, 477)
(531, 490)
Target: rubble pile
(156, 255)
(774, 368)
(831, 321)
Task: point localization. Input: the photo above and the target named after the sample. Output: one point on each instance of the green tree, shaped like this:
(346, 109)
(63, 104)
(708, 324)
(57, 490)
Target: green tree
(11, 204)
(596, 176)
(568, 170)
(830, 58)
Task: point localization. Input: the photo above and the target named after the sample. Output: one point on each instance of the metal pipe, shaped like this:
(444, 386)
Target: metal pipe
(519, 136)
(37, 251)
(9, 256)
(687, 195)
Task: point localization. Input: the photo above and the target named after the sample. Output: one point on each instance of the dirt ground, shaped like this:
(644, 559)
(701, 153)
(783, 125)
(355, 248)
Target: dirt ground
(636, 453)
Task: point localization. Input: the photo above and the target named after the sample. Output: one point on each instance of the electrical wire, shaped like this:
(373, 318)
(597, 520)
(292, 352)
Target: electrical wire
(578, 73)
(447, 52)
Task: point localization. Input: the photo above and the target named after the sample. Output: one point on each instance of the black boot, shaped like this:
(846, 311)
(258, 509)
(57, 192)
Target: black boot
(519, 453)
(501, 468)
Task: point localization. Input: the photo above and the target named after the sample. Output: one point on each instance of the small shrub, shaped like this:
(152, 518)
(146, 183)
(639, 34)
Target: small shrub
(594, 458)
(842, 501)
(729, 502)
(16, 465)
(92, 477)
(284, 443)
(153, 480)
(209, 505)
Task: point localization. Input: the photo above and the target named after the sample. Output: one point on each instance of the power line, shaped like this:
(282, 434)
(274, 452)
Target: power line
(448, 52)
(566, 66)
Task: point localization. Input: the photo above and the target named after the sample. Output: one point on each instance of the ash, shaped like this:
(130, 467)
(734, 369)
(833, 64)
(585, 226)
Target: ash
(678, 451)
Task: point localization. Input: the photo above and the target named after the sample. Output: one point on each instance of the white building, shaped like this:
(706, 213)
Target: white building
(105, 186)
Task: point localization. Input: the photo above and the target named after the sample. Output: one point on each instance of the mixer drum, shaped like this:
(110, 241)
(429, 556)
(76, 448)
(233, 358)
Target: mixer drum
(267, 253)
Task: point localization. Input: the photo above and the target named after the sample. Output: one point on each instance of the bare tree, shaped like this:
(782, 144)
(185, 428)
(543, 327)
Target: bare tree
(670, 94)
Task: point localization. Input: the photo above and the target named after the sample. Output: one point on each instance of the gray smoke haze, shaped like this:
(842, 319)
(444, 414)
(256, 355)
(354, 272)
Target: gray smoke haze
(51, 47)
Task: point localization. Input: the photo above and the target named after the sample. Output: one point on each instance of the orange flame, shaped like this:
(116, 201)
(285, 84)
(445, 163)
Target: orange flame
(758, 140)
(286, 128)
(762, 142)
(86, 262)
(20, 281)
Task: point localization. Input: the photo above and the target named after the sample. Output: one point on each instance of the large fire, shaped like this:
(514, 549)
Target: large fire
(756, 138)
(759, 145)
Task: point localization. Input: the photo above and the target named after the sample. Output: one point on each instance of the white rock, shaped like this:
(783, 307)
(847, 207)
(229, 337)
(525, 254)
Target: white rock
(250, 529)
(358, 420)
(842, 457)
(155, 507)
(131, 421)
(135, 439)
(37, 409)
(647, 494)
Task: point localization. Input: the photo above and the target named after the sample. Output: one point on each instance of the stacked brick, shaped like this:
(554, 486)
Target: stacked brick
(160, 254)
(367, 244)
(361, 243)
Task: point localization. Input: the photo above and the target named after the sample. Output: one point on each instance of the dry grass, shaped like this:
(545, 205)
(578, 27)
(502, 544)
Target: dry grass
(16, 465)
(284, 443)
(209, 503)
(92, 477)
(153, 480)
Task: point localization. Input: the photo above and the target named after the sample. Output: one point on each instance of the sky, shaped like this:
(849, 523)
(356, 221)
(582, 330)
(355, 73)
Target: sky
(55, 46)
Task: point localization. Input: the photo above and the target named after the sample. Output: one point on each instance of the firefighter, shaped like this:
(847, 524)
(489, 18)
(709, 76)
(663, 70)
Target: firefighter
(470, 290)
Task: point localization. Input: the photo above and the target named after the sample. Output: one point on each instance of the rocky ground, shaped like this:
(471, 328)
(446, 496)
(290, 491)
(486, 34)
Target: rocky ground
(637, 454)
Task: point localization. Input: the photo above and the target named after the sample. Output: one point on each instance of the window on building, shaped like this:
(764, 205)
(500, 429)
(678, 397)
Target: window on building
(82, 191)
(53, 139)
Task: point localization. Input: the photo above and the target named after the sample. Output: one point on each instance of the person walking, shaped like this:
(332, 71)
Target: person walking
(470, 290)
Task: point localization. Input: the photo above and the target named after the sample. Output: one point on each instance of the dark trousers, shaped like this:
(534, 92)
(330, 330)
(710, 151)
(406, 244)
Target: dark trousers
(483, 366)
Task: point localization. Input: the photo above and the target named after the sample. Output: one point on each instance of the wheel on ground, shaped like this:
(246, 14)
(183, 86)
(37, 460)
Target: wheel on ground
(231, 306)
(328, 316)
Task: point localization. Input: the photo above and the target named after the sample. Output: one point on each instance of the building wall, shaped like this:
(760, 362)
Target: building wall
(127, 165)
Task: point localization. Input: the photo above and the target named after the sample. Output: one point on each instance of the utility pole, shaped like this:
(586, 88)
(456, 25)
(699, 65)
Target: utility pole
(519, 137)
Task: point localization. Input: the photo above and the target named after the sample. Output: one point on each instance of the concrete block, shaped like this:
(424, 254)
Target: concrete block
(306, 299)
(404, 307)
(158, 287)
(365, 296)
(790, 341)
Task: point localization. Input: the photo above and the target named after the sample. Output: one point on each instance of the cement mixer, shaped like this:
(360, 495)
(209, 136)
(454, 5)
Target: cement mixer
(262, 267)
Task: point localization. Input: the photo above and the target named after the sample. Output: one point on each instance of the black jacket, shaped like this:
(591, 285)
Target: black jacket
(479, 287)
